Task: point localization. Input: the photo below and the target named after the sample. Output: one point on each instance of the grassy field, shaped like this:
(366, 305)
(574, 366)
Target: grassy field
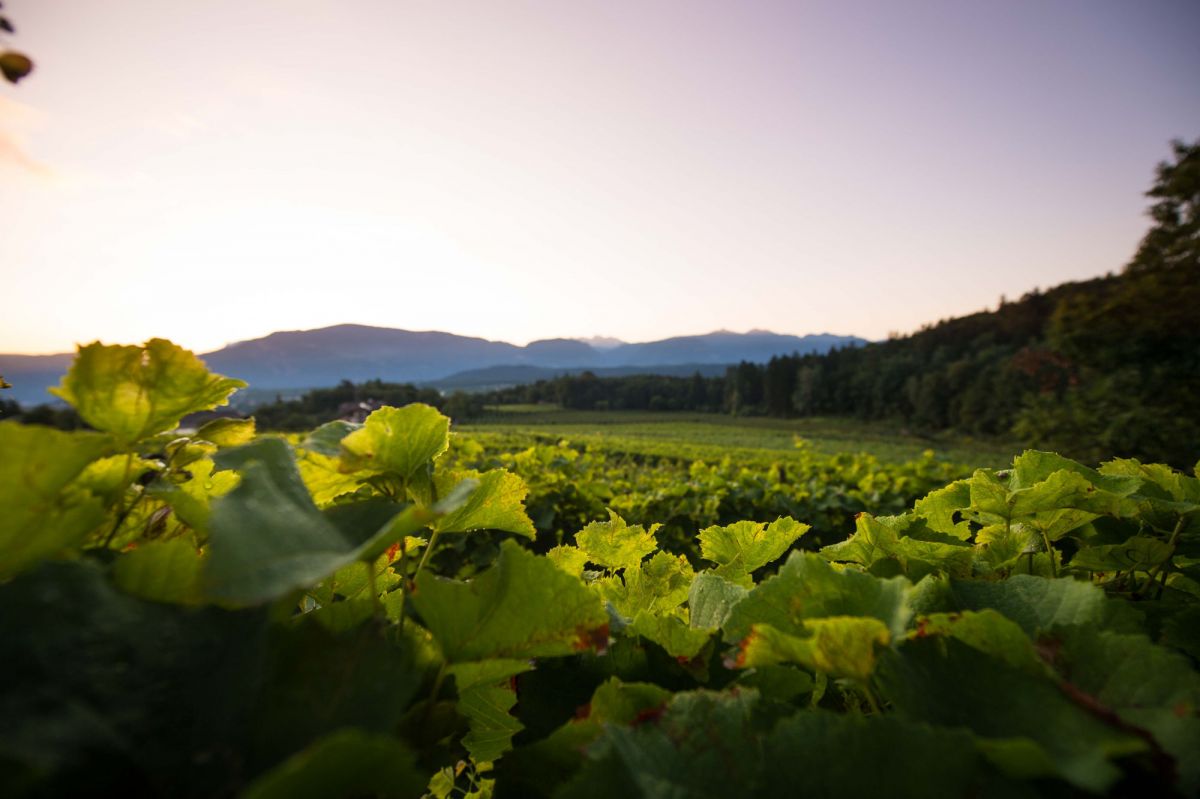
(657, 431)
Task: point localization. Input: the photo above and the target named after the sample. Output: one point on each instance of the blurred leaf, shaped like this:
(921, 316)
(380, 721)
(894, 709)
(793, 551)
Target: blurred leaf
(14, 66)
(951, 684)
(161, 571)
(266, 537)
(136, 392)
(345, 763)
(42, 514)
(227, 432)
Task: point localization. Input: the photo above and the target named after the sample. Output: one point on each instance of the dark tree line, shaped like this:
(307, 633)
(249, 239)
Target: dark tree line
(353, 401)
(586, 391)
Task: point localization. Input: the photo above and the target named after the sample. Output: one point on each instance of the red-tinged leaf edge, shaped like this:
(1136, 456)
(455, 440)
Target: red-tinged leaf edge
(594, 639)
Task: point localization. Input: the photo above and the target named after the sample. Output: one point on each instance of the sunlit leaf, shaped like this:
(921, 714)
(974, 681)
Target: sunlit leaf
(135, 392)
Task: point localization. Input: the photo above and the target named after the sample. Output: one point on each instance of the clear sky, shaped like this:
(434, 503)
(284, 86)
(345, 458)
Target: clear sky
(214, 171)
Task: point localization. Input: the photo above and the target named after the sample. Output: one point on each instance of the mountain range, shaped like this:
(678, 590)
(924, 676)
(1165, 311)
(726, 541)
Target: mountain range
(323, 357)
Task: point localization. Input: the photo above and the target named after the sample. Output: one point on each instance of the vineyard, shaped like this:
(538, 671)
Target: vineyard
(395, 609)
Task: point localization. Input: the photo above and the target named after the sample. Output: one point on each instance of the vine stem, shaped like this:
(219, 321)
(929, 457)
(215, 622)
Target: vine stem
(373, 587)
(124, 514)
(437, 688)
(1049, 553)
(425, 555)
(1171, 544)
(871, 700)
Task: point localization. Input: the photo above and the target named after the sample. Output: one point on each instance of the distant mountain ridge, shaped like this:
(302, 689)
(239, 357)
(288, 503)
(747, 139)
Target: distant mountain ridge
(326, 356)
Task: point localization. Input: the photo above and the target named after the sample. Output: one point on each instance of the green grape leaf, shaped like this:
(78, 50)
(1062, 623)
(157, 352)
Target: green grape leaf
(324, 479)
(492, 727)
(614, 544)
(523, 606)
(840, 646)
(345, 763)
(942, 507)
(109, 478)
(183, 451)
(1032, 467)
(946, 682)
(497, 504)
(539, 767)
(1139, 553)
(135, 392)
(1148, 686)
(808, 587)
(100, 685)
(878, 540)
(738, 549)
(703, 744)
(670, 631)
(266, 537)
(987, 631)
(616, 702)
(485, 698)
(398, 441)
(1039, 604)
(568, 558)
(43, 513)
(833, 754)
(711, 598)
(656, 585)
(327, 439)
(192, 499)
(319, 681)
(227, 432)
(161, 571)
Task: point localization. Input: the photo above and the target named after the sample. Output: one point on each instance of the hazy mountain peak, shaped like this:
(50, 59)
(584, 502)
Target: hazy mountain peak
(601, 342)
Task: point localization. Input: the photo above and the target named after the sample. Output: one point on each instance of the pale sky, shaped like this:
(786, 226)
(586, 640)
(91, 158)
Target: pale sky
(218, 170)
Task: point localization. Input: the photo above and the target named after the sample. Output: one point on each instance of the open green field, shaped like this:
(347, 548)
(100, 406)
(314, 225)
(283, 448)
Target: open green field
(658, 431)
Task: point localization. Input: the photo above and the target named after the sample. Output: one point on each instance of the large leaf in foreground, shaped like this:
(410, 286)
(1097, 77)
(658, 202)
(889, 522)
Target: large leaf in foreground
(104, 692)
(267, 537)
(134, 392)
(523, 606)
(944, 681)
(40, 516)
(1148, 686)
(823, 754)
(1039, 603)
(704, 745)
(345, 763)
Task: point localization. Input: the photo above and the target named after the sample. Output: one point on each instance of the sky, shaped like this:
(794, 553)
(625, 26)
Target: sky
(215, 171)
